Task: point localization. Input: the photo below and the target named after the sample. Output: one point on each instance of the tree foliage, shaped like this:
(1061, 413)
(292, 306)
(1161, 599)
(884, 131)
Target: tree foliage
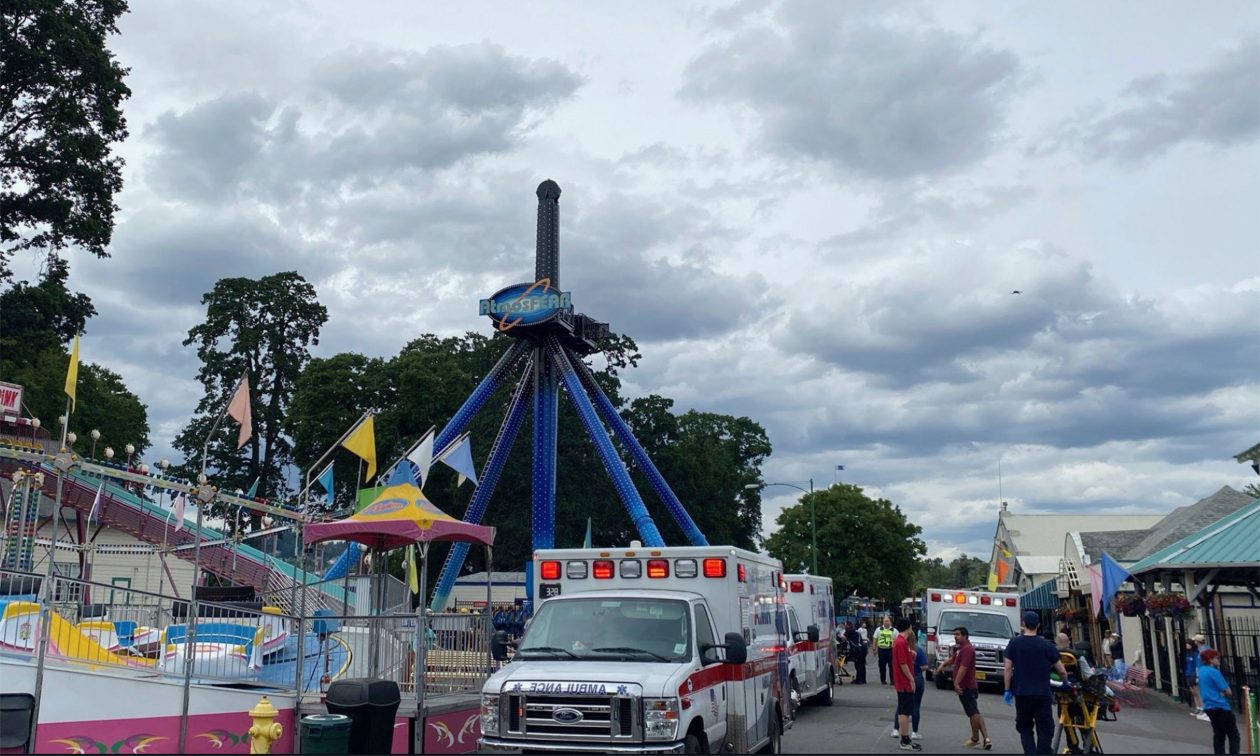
(961, 572)
(264, 328)
(61, 93)
(865, 545)
(706, 458)
(36, 324)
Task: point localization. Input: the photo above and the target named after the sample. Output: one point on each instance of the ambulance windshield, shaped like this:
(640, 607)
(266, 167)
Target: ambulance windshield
(977, 623)
(609, 629)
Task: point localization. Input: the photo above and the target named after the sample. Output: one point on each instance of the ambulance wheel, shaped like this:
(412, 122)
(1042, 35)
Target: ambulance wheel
(776, 735)
(824, 698)
(942, 683)
(693, 745)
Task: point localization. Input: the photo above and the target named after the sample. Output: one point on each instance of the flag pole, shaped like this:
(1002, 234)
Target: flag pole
(407, 453)
(306, 481)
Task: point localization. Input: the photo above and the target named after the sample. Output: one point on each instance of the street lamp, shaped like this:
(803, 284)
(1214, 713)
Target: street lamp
(813, 522)
(96, 436)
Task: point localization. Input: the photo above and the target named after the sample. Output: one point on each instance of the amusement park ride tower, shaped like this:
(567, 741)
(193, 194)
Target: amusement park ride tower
(552, 340)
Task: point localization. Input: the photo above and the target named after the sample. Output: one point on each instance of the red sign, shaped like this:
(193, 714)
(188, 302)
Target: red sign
(453, 732)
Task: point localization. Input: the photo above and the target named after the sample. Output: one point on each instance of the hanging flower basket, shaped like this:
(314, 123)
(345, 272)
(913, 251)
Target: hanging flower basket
(1174, 605)
(1066, 613)
(1130, 605)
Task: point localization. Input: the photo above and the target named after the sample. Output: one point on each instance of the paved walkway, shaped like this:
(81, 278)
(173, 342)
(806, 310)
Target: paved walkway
(861, 719)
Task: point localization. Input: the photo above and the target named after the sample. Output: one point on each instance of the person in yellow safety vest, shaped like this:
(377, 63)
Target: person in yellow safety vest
(883, 643)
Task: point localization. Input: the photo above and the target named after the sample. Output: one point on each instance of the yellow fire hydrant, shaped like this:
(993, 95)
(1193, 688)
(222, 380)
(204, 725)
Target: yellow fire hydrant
(265, 730)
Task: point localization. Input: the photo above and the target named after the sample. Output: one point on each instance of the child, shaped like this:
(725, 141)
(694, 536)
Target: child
(1215, 694)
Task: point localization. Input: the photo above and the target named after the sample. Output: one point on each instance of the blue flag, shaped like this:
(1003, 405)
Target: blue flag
(1113, 576)
(586, 543)
(326, 480)
(253, 489)
(458, 456)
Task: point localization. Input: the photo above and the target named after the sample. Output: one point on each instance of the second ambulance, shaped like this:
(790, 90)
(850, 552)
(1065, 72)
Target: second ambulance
(811, 628)
(645, 650)
(991, 619)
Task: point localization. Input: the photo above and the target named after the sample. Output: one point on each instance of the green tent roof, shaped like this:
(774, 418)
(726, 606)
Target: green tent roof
(1229, 542)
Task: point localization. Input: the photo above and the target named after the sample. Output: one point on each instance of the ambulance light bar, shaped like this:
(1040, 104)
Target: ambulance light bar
(964, 598)
(715, 568)
(607, 568)
(549, 570)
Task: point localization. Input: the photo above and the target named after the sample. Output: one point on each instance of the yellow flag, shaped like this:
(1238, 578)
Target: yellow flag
(72, 375)
(413, 579)
(362, 441)
(993, 581)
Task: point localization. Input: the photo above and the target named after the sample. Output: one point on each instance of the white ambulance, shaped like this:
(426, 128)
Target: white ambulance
(645, 650)
(811, 628)
(991, 619)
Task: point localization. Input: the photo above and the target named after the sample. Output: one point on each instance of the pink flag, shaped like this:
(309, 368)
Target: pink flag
(239, 411)
(179, 512)
(1095, 589)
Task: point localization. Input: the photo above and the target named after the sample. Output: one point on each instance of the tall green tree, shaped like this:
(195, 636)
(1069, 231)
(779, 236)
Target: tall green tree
(263, 328)
(865, 545)
(962, 571)
(37, 323)
(61, 94)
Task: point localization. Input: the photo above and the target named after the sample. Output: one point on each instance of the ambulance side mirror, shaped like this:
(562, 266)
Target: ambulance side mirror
(499, 645)
(811, 632)
(735, 647)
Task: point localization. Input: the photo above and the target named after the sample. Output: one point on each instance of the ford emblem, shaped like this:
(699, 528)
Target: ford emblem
(567, 716)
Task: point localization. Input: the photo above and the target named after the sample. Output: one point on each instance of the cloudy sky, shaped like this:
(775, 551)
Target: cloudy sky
(810, 213)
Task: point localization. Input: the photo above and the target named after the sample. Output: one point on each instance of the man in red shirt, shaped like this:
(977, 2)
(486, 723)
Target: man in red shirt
(964, 663)
(903, 682)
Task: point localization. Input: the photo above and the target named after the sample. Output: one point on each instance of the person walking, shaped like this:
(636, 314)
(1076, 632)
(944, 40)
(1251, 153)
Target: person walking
(1029, 659)
(857, 652)
(1215, 693)
(1106, 648)
(883, 643)
(1200, 645)
(963, 662)
(920, 685)
(902, 658)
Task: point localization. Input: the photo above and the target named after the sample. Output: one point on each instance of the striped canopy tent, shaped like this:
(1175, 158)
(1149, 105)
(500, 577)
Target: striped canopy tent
(1041, 597)
(399, 516)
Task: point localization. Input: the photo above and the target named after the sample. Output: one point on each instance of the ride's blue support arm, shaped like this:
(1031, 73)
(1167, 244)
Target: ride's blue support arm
(478, 398)
(348, 559)
(603, 444)
(543, 487)
(499, 453)
(610, 416)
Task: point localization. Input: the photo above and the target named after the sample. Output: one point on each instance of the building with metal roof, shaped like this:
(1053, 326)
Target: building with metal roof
(1226, 550)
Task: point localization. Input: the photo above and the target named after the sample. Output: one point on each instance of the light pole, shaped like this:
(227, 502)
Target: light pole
(96, 436)
(813, 523)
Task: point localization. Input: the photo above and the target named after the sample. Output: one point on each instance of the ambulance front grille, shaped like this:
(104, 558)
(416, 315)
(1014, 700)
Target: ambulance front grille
(603, 718)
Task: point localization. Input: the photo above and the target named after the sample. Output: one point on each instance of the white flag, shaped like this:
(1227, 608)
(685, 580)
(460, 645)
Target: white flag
(179, 513)
(96, 504)
(422, 456)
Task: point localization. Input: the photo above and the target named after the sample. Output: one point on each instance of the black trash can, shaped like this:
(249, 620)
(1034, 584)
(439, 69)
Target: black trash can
(326, 733)
(371, 706)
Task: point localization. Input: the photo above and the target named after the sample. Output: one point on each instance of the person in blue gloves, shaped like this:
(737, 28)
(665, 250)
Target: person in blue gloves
(1029, 660)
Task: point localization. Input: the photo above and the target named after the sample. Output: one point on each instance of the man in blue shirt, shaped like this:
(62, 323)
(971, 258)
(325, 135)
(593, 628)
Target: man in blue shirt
(1029, 659)
(1215, 693)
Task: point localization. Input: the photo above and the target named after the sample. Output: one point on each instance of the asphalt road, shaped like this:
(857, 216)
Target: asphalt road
(861, 718)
